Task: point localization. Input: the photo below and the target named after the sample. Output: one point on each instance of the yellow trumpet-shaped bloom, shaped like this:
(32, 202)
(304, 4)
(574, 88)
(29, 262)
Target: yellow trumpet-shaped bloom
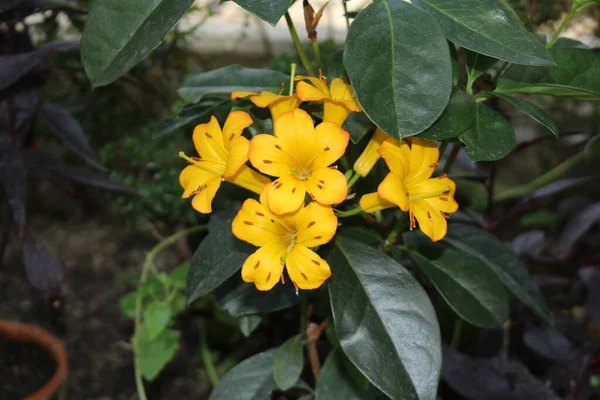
(409, 186)
(299, 154)
(223, 155)
(338, 100)
(284, 241)
(277, 103)
(370, 154)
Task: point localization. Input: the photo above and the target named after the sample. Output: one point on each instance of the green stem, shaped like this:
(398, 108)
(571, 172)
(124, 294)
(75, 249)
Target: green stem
(298, 45)
(207, 360)
(443, 147)
(355, 177)
(148, 264)
(317, 51)
(396, 230)
(349, 213)
(562, 27)
(458, 325)
(451, 158)
(292, 79)
(543, 180)
(346, 13)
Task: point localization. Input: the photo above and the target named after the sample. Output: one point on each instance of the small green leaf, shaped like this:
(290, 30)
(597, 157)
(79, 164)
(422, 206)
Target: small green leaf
(456, 118)
(267, 10)
(178, 276)
(501, 261)
(248, 323)
(211, 264)
(119, 34)
(467, 285)
(252, 379)
(153, 355)
(128, 304)
(156, 318)
(288, 363)
(532, 110)
(229, 79)
(477, 64)
(491, 136)
(335, 382)
(479, 26)
(384, 321)
(402, 76)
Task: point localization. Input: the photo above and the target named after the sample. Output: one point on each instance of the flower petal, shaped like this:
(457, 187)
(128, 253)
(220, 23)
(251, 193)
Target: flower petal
(264, 267)
(285, 104)
(316, 225)
(238, 155)
(341, 91)
(442, 201)
(334, 111)
(327, 186)
(431, 221)
(202, 201)
(315, 92)
(234, 126)
(424, 156)
(254, 224)
(296, 131)
(192, 177)
(240, 95)
(372, 202)
(249, 179)
(365, 162)
(208, 140)
(330, 142)
(267, 154)
(392, 190)
(285, 195)
(306, 269)
(396, 155)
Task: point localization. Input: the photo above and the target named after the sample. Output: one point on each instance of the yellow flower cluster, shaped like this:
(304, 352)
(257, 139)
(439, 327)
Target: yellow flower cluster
(300, 156)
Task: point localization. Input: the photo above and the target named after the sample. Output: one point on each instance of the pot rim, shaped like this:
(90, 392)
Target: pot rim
(27, 333)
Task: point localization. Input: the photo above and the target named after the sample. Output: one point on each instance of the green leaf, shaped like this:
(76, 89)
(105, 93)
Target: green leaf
(119, 34)
(479, 26)
(153, 355)
(500, 260)
(456, 118)
(252, 379)
(229, 79)
(156, 318)
(467, 285)
(532, 110)
(335, 65)
(288, 363)
(190, 114)
(402, 76)
(218, 257)
(574, 75)
(491, 136)
(178, 276)
(267, 10)
(128, 304)
(384, 321)
(477, 64)
(248, 323)
(335, 383)
(358, 125)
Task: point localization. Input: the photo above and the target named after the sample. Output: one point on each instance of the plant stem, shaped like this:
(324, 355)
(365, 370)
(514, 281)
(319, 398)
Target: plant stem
(396, 230)
(443, 148)
(292, 79)
(458, 325)
(298, 45)
(207, 360)
(349, 213)
(355, 177)
(317, 51)
(148, 264)
(451, 158)
(562, 27)
(346, 13)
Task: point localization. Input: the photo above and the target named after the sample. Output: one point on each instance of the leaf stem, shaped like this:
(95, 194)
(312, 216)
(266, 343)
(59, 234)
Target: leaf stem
(349, 213)
(148, 265)
(451, 158)
(355, 177)
(292, 79)
(346, 13)
(317, 51)
(443, 148)
(207, 360)
(298, 45)
(562, 26)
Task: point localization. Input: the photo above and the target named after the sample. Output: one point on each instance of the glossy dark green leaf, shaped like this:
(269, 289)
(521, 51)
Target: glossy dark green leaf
(252, 379)
(467, 285)
(384, 321)
(491, 136)
(502, 261)
(153, 354)
(479, 26)
(119, 34)
(267, 10)
(190, 114)
(358, 125)
(532, 110)
(477, 64)
(335, 65)
(335, 382)
(248, 323)
(288, 363)
(574, 75)
(229, 79)
(456, 118)
(402, 76)
(211, 265)
(156, 318)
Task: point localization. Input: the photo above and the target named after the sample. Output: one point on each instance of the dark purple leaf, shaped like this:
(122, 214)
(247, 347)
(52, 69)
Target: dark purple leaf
(558, 186)
(591, 277)
(26, 103)
(69, 131)
(575, 230)
(43, 270)
(12, 179)
(6, 5)
(13, 67)
(529, 243)
(63, 46)
(548, 343)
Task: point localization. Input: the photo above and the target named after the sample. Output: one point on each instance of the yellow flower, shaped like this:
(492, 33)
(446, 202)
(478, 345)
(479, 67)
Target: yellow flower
(409, 186)
(284, 241)
(370, 154)
(278, 104)
(299, 154)
(223, 155)
(339, 100)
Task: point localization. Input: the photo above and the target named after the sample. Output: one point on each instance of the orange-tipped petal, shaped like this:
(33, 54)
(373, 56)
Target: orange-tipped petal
(240, 95)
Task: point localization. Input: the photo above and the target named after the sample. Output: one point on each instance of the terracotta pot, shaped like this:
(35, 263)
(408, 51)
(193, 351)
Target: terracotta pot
(26, 333)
